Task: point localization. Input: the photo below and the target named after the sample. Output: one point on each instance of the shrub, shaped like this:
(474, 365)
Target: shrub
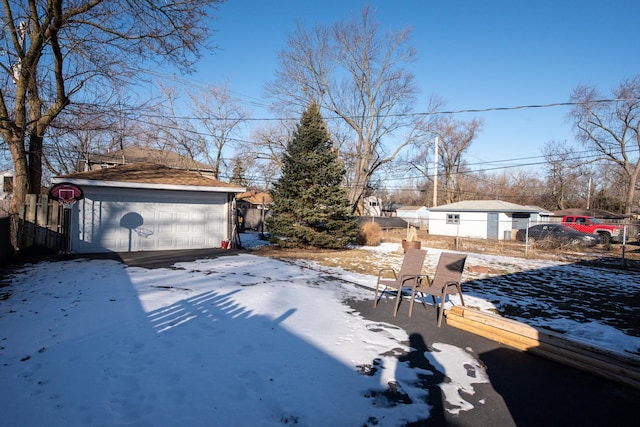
(369, 234)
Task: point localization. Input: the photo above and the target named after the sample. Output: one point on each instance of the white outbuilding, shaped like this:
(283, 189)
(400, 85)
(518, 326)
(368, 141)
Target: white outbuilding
(416, 216)
(483, 219)
(149, 207)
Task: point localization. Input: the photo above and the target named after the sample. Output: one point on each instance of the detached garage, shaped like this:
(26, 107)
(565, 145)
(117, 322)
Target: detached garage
(483, 219)
(149, 207)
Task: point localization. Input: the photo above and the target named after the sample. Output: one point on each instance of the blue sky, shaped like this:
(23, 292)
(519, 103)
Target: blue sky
(473, 54)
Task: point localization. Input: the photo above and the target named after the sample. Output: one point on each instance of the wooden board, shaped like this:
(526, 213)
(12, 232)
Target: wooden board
(554, 346)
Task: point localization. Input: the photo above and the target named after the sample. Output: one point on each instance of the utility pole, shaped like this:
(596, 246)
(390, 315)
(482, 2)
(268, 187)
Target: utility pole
(589, 193)
(435, 174)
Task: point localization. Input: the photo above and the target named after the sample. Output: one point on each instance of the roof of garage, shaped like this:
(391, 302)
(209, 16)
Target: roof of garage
(148, 175)
(486, 206)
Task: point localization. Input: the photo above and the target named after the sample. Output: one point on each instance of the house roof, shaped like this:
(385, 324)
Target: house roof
(135, 154)
(148, 175)
(255, 197)
(410, 208)
(487, 206)
(598, 213)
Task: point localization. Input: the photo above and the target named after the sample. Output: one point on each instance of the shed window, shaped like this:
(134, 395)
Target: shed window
(453, 218)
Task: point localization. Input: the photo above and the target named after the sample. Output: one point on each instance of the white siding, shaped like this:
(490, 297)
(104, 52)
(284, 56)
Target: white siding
(472, 224)
(372, 206)
(416, 217)
(505, 226)
(127, 220)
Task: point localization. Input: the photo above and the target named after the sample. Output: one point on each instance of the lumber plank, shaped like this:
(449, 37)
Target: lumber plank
(548, 344)
(542, 336)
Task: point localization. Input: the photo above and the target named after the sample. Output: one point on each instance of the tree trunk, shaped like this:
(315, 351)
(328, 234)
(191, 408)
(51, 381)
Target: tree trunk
(631, 190)
(35, 163)
(21, 179)
(358, 185)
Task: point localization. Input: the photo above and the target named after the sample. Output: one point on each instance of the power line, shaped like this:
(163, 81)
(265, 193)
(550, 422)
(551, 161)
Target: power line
(414, 114)
(530, 161)
(523, 107)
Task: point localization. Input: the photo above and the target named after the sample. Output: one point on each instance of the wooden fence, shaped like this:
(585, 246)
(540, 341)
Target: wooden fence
(41, 224)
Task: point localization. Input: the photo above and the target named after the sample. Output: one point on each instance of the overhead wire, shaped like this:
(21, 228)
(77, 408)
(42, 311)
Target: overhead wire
(144, 116)
(414, 114)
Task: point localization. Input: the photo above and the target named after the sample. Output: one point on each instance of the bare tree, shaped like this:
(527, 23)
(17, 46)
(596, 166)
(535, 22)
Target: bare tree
(220, 116)
(76, 136)
(56, 51)
(567, 176)
(608, 189)
(259, 173)
(454, 138)
(525, 188)
(271, 141)
(612, 128)
(172, 132)
(519, 186)
(354, 72)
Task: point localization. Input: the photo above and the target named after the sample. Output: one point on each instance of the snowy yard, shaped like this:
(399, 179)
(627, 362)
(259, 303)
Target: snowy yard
(93, 342)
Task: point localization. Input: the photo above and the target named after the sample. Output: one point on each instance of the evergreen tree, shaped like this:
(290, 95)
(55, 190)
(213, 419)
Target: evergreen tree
(310, 206)
(237, 175)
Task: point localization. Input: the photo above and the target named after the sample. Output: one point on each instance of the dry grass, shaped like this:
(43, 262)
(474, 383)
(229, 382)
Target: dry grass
(355, 260)
(369, 234)
(369, 262)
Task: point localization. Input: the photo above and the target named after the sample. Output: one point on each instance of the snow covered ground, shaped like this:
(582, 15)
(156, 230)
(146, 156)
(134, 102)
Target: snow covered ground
(252, 340)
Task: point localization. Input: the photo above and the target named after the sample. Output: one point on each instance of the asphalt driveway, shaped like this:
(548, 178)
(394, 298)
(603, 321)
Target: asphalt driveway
(524, 389)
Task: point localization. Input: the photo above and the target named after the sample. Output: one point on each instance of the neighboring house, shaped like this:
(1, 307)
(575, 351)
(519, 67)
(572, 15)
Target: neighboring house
(390, 208)
(596, 213)
(6, 187)
(417, 216)
(254, 206)
(485, 219)
(372, 206)
(135, 154)
(6, 191)
(148, 207)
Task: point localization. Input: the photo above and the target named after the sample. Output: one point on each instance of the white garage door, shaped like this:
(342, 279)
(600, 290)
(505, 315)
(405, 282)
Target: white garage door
(128, 220)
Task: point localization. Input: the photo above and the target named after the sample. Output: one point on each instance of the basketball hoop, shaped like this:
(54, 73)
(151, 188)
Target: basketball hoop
(67, 203)
(66, 194)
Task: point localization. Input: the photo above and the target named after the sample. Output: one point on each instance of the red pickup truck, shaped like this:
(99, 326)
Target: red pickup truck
(608, 233)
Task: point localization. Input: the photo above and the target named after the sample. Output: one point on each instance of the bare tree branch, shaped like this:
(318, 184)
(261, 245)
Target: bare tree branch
(612, 129)
(354, 72)
(56, 52)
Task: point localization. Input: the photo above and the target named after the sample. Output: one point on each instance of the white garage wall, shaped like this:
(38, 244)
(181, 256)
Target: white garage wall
(472, 224)
(127, 220)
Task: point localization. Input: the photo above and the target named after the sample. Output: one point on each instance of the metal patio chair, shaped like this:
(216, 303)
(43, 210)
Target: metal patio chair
(410, 270)
(446, 281)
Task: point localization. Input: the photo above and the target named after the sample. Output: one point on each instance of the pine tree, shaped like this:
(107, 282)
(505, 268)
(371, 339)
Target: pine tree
(310, 206)
(237, 175)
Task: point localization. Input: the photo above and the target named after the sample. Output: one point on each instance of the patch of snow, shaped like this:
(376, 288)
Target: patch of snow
(254, 341)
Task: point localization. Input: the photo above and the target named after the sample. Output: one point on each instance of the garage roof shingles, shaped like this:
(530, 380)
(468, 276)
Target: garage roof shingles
(149, 173)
